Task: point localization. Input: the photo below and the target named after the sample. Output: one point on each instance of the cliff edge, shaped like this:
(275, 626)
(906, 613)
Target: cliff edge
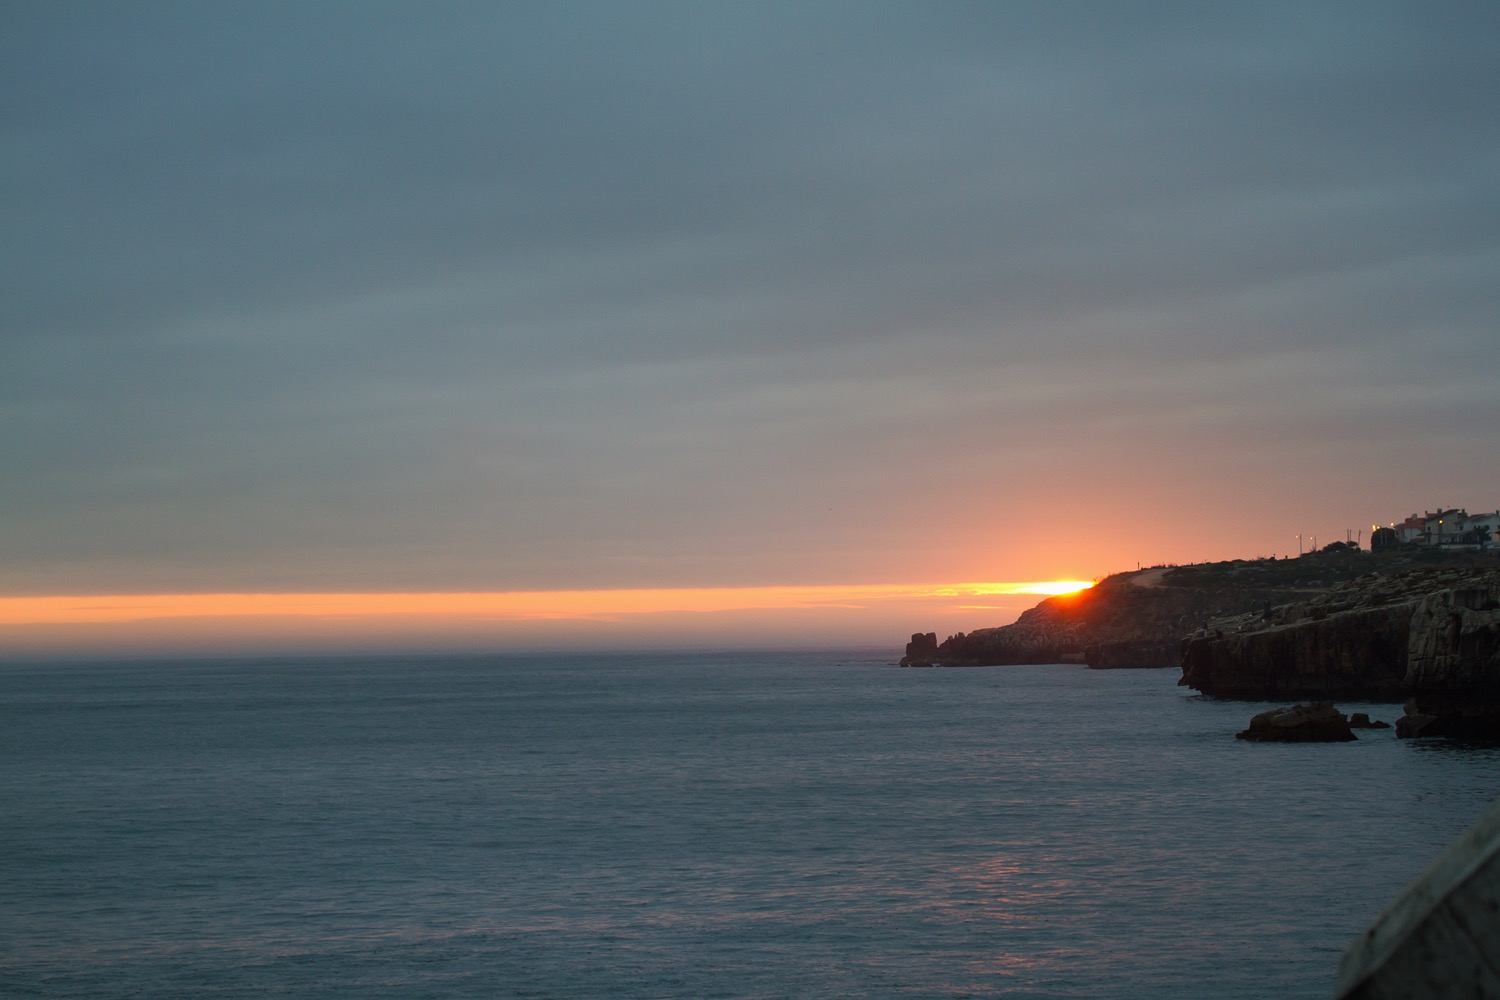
(1339, 625)
(1429, 634)
(1135, 619)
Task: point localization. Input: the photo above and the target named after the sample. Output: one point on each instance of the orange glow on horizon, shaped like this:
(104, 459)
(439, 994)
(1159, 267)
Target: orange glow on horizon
(1052, 588)
(492, 606)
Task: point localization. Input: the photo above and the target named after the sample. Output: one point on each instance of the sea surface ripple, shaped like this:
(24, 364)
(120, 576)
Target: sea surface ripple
(732, 825)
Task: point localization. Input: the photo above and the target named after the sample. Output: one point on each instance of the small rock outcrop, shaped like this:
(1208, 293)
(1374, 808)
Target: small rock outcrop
(921, 651)
(1316, 723)
(1362, 720)
(1417, 723)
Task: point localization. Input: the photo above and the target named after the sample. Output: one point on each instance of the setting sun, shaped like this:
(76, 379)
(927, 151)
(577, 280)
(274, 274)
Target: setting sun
(1056, 588)
(1046, 588)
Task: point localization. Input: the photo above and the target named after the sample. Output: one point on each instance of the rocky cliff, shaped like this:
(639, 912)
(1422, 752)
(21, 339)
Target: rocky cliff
(1358, 653)
(1121, 622)
(1453, 663)
(1346, 624)
(1428, 634)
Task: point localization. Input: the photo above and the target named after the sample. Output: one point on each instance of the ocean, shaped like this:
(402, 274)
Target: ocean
(730, 825)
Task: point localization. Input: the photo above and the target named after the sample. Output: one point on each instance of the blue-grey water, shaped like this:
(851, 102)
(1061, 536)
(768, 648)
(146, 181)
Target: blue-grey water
(802, 825)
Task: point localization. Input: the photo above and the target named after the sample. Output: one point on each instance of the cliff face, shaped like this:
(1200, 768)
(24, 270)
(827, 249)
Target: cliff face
(1423, 626)
(1358, 653)
(1453, 665)
(1432, 635)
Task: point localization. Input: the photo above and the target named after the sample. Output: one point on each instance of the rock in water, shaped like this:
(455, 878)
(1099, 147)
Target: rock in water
(922, 651)
(1414, 724)
(1316, 723)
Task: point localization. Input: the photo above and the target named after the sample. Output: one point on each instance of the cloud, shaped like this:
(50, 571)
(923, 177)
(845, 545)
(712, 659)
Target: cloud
(655, 294)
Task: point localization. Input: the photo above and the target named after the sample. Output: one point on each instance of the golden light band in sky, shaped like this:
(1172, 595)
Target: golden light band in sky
(502, 605)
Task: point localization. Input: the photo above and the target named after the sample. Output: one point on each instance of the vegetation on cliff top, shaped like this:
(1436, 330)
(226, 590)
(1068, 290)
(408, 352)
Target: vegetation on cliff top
(1331, 565)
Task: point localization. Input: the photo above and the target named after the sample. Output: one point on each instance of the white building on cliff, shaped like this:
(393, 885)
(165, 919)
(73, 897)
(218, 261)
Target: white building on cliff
(1451, 527)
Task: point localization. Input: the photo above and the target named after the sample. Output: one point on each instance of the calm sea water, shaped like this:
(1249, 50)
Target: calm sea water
(687, 826)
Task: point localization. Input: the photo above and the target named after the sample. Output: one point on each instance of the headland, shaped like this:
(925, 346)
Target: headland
(1413, 624)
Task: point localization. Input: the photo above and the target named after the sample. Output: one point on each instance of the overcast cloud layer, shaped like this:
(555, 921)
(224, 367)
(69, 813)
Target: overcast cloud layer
(370, 296)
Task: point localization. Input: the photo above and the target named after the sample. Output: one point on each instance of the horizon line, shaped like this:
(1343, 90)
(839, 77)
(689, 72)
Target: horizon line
(514, 605)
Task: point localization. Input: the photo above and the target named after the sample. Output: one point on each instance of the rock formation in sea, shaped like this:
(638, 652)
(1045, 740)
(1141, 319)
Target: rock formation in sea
(1319, 722)
(921, 651)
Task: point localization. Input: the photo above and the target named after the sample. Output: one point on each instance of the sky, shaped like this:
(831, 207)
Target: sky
(486, 298)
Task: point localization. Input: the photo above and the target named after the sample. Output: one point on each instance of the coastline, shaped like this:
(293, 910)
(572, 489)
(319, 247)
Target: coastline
(1421, 627)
